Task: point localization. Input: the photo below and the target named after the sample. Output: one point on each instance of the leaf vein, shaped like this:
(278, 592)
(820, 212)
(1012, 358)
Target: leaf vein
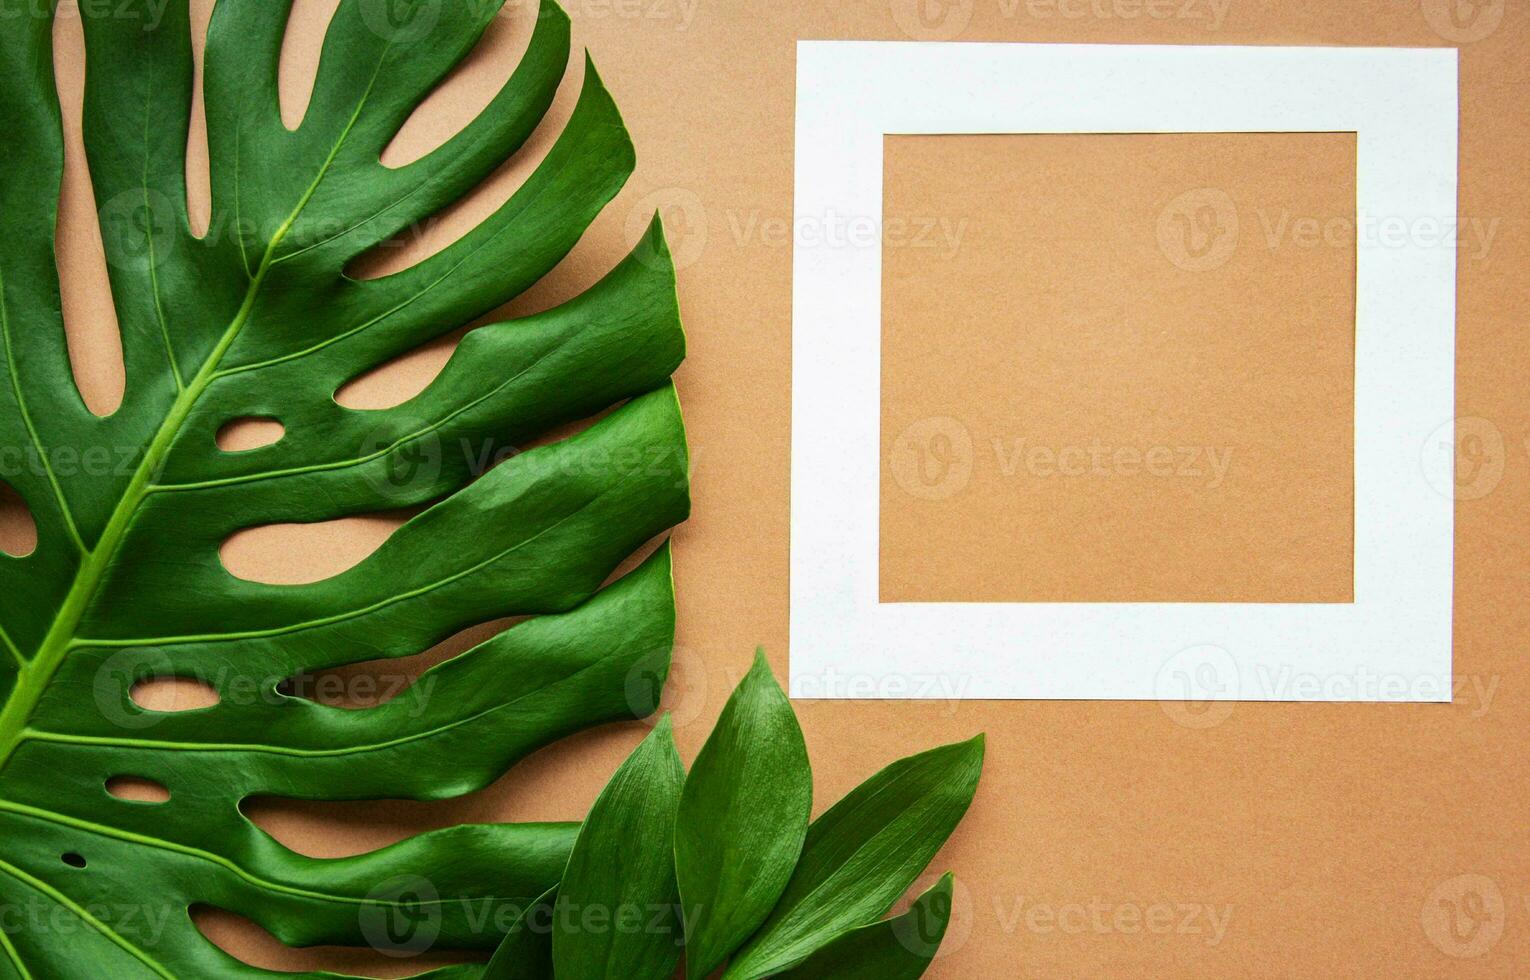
(350, 614)
(286, 750)
(53, 817)
(14, 956)
(26, 418)
(521, 206)
(10, 645)
(79, 911)
(340, 464)
(159, 306)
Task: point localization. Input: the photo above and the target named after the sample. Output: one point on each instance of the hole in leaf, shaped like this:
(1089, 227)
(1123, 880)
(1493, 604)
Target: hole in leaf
(391, 384)
(18, 529)
(432, 234)
(72, 859)
(468, 90)
(198, 174)
(136, 789)
(538, 788)
(251, 432)
(301, 554)
(375, 682)
(90, 318)
(247, 942)
(173, 694)
(301, 47)
(545, 786)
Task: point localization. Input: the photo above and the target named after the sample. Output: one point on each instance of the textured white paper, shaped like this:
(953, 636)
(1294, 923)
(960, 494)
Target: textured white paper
(1392, 644)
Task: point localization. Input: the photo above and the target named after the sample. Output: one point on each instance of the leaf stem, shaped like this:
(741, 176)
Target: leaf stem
(33, 678)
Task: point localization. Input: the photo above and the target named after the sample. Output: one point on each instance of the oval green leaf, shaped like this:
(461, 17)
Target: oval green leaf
(617, 915)
(863, 854)
(743, 817)
(894, 949)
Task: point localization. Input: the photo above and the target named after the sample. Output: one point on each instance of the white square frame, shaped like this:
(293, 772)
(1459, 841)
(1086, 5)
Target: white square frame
(1392, 644)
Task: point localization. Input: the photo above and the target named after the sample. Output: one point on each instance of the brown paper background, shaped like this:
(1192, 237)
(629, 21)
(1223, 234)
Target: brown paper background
(1100, 385)
(1333, 840)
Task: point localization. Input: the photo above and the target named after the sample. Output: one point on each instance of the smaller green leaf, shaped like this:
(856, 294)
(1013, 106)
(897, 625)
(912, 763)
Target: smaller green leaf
(893, 949)
(863, 854)
(526, 951)
(617, 914)
(743, 817)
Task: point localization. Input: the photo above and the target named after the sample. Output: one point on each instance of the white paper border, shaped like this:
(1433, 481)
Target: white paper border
(1392, 644)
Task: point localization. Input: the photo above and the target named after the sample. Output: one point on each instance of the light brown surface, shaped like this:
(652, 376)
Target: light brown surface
(1107, 839)
(1118, 368)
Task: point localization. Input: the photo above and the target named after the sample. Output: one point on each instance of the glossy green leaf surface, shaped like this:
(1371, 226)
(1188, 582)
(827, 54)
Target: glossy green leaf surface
(900, 948)
(259, 318)
(617, 916)
(863, 854)
(743, 817)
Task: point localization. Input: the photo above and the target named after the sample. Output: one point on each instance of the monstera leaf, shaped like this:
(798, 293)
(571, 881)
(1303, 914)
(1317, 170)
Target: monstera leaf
(259, 319)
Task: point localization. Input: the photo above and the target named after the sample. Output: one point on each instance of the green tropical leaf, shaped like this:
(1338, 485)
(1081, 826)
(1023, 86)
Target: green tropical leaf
(895, 949)
(743, 817)
(863, 854)
(259, 318)
(526, 951)
(617, 916)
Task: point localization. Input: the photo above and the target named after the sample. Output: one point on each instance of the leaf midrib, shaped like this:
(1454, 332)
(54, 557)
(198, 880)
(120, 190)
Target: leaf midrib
(33, 679)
